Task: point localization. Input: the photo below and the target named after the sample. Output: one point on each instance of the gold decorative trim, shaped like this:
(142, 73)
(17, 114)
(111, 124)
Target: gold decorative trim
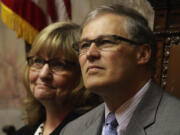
(15, 22)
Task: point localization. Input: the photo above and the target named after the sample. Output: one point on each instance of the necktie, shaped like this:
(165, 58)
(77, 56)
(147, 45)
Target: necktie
(111, 125)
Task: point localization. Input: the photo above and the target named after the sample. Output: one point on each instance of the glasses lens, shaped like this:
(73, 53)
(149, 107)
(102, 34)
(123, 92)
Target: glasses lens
(105, 40)
(57, 65)
(84, 46)
(102, 43)
(37, 62)
(105, 43)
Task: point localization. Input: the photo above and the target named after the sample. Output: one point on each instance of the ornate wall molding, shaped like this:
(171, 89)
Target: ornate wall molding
(167, 33)
(171, 38)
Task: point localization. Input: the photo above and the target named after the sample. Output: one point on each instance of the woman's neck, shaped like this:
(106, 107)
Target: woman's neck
(54, 116)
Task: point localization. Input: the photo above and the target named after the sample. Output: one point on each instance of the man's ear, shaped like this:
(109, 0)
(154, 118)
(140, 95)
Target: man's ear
(143, 54)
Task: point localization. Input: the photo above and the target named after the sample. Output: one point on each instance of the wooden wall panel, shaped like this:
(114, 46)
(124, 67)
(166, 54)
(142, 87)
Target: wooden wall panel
(173, 76)
(167, 31)
(173, 21)
(160, 20)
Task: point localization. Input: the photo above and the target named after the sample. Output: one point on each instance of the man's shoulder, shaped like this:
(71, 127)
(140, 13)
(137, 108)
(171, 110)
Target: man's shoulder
(170, 103)
(167, 116)
(80, 124)
(90, 116)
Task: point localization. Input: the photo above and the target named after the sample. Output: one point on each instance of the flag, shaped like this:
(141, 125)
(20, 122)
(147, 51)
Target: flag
(28, 17)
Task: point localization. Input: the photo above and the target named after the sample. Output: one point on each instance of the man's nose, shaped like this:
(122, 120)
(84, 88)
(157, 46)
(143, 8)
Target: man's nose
(45, 72)
(93, 52)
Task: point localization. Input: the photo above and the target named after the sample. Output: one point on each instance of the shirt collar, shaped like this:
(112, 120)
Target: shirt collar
(124, 113)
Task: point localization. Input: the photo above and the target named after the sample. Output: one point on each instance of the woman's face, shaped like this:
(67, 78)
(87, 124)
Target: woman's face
(49, 83)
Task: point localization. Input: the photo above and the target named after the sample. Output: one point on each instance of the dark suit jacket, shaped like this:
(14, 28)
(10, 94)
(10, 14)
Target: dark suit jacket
(158, 113)
(26, 130)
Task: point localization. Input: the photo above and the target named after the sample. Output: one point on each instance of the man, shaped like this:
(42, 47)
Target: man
(117, 56)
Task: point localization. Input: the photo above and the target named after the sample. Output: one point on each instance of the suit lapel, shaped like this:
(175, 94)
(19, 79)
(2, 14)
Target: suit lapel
(94, 127)
(145, 113)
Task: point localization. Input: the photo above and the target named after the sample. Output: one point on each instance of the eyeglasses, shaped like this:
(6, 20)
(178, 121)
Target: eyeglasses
(55, 65)
(103, 43)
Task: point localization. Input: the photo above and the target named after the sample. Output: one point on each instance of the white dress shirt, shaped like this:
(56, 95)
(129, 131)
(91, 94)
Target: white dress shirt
(124, 113)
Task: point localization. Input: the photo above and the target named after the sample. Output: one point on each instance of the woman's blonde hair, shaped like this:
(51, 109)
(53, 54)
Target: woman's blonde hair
(55, 37)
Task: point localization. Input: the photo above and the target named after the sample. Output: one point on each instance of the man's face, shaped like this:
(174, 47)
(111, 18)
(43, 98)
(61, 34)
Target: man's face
(102, 70)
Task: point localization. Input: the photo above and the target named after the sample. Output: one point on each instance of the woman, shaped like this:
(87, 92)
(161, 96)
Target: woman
(55, 92)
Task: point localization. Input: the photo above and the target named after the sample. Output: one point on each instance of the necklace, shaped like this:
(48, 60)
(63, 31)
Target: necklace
(40, 129)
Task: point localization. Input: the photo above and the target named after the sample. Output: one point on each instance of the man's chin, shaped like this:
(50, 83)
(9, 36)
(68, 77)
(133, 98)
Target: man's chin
(95, 89)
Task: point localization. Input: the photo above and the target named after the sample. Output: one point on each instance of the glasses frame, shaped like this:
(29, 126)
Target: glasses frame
(65, 63)
(116, 37)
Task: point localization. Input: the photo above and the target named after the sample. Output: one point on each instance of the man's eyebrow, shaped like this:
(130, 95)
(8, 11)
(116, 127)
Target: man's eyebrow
(100, 36)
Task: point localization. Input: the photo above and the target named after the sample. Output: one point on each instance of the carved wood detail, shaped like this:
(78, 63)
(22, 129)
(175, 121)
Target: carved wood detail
(167, 32)
(170, 38)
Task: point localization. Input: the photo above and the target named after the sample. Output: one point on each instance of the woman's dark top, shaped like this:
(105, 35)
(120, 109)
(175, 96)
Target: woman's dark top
(26, 130)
